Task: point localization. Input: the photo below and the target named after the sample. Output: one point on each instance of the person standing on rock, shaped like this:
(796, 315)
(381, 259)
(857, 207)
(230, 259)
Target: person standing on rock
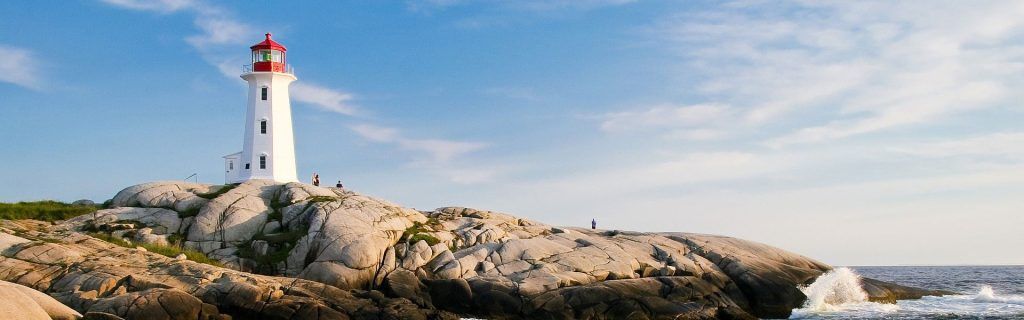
(593, 224)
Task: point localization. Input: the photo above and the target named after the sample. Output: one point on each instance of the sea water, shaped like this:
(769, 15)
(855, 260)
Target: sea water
(983, 293)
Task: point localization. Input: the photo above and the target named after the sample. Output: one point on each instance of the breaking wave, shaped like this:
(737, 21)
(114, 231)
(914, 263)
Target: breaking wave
(837, 294)
(837, 291)
(987, 295)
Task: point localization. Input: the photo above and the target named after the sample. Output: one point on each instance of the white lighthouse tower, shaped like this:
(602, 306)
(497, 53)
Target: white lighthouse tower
(268, 151)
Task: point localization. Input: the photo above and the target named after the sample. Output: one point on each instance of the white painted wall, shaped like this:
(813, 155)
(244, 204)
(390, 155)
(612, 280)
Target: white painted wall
(278, 144)
(232, 166)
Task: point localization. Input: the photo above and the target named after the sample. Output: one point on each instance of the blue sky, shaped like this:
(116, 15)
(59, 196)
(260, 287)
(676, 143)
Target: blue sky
(853, 132)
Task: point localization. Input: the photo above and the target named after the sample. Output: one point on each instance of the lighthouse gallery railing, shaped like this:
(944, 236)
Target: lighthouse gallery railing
(287, 69)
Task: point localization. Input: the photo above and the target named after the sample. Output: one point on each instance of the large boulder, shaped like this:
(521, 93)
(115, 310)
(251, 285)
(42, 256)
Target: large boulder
(21, 302)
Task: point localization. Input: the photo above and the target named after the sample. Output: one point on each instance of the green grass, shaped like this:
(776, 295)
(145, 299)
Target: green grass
(43, 210)
(431, 240)
(219, 192)
(280, 246)
(111, 239)
(416, 232)
(169, 251)
(315, 199)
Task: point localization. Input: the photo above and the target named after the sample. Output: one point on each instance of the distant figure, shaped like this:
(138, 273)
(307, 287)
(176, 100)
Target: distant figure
(593, 224)
(339, 186)
(316, 179)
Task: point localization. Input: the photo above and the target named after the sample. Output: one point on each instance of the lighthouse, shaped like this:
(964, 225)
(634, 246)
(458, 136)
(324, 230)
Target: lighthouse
(268, 147)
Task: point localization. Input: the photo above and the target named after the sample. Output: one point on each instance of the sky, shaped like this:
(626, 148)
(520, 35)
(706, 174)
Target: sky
(853, 132)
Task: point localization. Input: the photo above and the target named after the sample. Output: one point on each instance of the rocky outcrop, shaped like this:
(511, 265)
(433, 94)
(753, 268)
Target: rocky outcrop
(105, 281)
(469, 261)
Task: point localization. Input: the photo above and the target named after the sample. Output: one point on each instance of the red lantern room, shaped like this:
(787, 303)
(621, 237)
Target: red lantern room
(268, 56)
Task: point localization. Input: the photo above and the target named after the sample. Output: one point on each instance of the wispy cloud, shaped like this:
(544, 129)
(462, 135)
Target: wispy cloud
(153, 5)
(859, 67)
(518, 93)
(20, 67)
(221, 35)
(440, 156)
(324, 98)
(691, 122)
(437, 150)
(524, 5)
(1005, 145)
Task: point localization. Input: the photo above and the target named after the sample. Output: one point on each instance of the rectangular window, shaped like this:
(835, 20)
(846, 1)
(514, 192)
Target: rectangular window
(263, 162)
(246, 166)
(231, 165)
(263, 93)
(263, 126)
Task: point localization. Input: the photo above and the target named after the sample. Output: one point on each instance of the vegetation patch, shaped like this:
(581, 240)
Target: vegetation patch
(47, 210)
(189, 213)
(111, 239)
(315, 199)
(175, 238)
(219, 192)
(275, 209)
(417, 232)
(431, 240)
(170, 251)
(279, 247)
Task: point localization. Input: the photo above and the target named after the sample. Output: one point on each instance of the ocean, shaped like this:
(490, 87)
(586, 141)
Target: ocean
(985, 292)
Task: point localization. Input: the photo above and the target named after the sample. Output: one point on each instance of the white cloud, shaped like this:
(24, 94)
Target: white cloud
(665, 116)
(376, 133)
(990, 146)
(528, 5)
(324, 98)
(20, 67)
(441, 156)
(839, 69)
(438, 150)
(518, 93)
(153, 5)
(441, 150)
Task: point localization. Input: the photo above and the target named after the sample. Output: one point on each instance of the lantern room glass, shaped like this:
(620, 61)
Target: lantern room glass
(268, 56)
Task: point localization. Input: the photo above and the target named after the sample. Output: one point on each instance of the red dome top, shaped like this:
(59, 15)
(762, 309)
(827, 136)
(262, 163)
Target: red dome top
(268, 44)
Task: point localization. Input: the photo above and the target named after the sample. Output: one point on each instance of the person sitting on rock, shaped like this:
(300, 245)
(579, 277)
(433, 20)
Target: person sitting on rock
(339, 186)
(316, 179)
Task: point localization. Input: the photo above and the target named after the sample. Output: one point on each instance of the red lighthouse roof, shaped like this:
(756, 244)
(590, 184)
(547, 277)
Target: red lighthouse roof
(268, 44)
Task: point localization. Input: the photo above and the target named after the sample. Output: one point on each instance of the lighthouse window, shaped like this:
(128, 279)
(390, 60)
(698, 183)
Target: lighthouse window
(246, 166)
(263, 93)
(263, 162)
(231, 165)
(263, 126)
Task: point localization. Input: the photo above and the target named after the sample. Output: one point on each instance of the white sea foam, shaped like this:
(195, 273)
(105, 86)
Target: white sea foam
(837, 294)
(837, 291)
(987, 295)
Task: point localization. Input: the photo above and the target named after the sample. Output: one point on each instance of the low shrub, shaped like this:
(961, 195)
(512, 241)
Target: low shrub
(169, 251)
(219, 192)
(47, 210)
(315, 199)
(431, 240)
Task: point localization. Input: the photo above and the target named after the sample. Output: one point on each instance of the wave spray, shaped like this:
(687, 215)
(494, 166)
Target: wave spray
(833, 289)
